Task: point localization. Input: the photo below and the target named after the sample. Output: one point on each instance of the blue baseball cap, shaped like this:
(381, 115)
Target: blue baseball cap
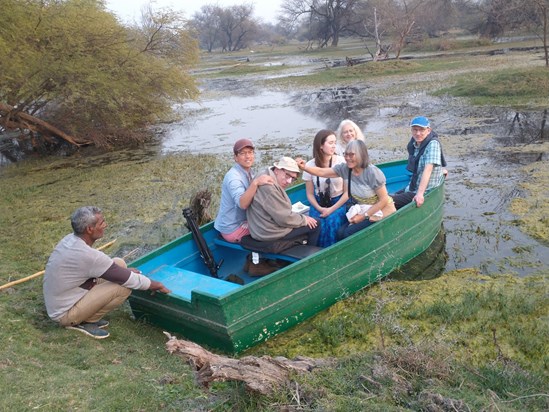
(420, 121)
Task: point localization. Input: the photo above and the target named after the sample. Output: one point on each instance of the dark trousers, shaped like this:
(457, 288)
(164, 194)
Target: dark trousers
(312, 234)
(347, 229)
(402, 198)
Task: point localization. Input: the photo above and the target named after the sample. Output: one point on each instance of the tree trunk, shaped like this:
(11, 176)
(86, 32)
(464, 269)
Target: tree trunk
(260, 374)
(402, 38)
(544, 12)
(12, 119)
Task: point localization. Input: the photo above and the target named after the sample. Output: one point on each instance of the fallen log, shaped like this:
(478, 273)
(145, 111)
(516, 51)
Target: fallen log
(13, 119)
(260, 374)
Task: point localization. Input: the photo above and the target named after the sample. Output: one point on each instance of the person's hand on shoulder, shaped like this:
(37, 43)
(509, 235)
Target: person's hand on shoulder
(264, 180)
(158, 286)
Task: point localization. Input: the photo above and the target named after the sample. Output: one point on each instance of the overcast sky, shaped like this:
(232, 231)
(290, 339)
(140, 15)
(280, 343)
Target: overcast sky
(130, 10)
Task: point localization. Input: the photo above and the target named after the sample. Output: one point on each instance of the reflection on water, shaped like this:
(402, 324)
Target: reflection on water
(270, 118)
(428, 265)
(332, 105)
(212, 126)
(481, 230)
(524, 128)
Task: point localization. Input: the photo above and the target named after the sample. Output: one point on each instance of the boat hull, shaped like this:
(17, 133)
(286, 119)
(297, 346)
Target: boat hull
(232, 317)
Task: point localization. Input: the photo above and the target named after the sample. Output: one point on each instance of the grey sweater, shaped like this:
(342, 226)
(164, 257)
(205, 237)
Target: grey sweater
(270, 215)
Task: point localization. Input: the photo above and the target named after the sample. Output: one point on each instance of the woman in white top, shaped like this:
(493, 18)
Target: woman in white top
(346, 132)
(327, 196)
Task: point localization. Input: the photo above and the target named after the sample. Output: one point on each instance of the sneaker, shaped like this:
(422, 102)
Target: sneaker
(91, 329)
(101, 323)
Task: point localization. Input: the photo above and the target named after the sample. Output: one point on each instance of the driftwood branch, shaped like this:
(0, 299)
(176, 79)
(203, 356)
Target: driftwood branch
(260, 374)
(13, 119)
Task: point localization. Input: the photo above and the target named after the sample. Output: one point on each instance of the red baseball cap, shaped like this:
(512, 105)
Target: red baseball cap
(241, 144)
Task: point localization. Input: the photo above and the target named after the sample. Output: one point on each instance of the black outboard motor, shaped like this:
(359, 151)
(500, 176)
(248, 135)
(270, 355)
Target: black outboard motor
(205, 251)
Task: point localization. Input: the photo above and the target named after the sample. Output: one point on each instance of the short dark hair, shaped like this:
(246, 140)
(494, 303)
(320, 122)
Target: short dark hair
(84, 217)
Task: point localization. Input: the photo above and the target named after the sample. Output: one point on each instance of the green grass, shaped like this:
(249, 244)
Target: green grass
(144, 195)
(132, 371)
(121, 373)
(463, 341)
(362, 73)
(448, 43)
(419, 378)
(463, 310)
(503, 87)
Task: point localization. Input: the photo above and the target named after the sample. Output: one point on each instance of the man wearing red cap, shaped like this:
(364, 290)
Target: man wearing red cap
(237, 192)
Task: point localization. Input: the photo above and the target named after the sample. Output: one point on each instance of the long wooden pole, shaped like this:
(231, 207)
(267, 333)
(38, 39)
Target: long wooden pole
(35, 275)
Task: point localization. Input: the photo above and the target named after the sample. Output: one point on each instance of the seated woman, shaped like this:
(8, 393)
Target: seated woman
(346, 132)
(326, 196)
(366, 184)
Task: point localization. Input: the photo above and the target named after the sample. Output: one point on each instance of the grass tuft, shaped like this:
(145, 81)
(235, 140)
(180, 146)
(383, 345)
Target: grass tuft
(506, 86)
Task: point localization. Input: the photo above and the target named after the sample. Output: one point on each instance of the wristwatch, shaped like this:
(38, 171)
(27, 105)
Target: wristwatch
(366, 216)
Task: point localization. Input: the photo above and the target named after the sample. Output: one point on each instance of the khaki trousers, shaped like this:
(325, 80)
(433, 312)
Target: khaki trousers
(104, 297)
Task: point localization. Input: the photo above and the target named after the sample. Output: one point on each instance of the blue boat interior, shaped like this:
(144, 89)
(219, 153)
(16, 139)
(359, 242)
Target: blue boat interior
(181, 267)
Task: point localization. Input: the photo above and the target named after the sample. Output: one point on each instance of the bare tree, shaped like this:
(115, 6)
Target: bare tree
(371, 26)
(401, 17)
(394, 18)
(497, 15)
(326, 19)
(542, 7)
(237, 27)
(507, 15)
(337, 15)
(436, 16)
(207, 23)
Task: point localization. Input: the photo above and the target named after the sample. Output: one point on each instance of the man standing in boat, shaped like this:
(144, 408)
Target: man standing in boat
(82, 284)
(270, 214)
(425, 161)
(237, 192)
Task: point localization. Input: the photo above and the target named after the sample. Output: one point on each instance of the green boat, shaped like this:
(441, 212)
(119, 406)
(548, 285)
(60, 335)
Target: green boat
(231, 317)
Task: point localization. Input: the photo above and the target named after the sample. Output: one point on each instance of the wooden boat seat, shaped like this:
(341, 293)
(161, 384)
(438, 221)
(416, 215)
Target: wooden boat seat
(182, 282)
(292, 254)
